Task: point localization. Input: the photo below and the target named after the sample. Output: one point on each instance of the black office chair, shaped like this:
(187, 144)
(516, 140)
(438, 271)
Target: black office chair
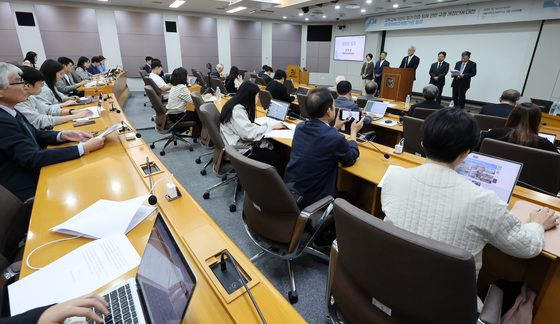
(544, 104)
(149, 82)
(412, 133)
(361, 102)
(272, 217)
(334, 94)
(379, 273)
(260, 81)
(302, 107)
(290, 86)
(541, 169)
(422, 113)
(486, 122)
(205, 139)
(174, 131)
(265, 97)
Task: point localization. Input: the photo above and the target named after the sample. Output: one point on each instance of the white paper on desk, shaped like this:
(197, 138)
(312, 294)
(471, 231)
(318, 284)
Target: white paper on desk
(106, 217)
(383, 123)
(280, 133)
(109, 130)
(390, 169)
(95, 113)
(79, 272)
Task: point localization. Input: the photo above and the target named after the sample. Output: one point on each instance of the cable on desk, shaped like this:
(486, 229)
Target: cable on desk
(42, 246)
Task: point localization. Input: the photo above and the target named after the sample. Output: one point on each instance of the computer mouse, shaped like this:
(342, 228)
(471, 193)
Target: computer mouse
(387, 121)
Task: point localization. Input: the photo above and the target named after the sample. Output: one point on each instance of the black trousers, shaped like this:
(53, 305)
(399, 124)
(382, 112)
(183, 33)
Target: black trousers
(459, 95)
(272, 157)
(190, 116)
(440, 88)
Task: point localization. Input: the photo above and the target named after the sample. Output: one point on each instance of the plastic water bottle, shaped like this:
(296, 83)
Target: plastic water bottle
(218, 93)
(555, 109)
(407, 102)
(451, 104)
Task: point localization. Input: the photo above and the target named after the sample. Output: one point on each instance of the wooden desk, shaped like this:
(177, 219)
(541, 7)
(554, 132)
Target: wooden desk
(113, 173)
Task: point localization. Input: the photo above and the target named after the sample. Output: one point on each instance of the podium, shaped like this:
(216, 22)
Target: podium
(295, 74)
(396, 83)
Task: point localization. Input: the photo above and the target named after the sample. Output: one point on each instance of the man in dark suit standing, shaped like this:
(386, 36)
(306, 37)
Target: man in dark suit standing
(367, 69)
(438, 71)
(23, 148)
(411, 61)
(462, 74)
(378, 69)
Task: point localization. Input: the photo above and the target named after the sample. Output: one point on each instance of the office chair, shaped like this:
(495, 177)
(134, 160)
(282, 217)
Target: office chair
(361, 102)
(210, 118)
(174, 131)
(204, 135)
(290, 86)
(334, 94)
(412, 133)
(302, 107)
(265, 97)
(144, 76)
(379, 273)
(14, 222)
(486, 122)
(541, 169)
(242, 73)
(149, 82)
(422, 113)
(260, 81)
(272, 217)
(544, 104)
(217, 83)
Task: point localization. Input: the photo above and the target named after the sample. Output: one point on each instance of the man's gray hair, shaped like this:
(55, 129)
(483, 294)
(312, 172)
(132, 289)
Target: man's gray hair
(413, 48)
(6, 71)
(511, 95)
(219, 66)
(430, 92)
(371, 87)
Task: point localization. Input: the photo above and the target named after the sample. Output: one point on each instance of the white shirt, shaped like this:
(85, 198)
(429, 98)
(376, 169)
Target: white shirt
(239, 130)
(159, 82)
(408, 60)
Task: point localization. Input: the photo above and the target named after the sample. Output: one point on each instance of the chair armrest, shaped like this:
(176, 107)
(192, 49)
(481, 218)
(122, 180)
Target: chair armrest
(316, 206)
(492, 309)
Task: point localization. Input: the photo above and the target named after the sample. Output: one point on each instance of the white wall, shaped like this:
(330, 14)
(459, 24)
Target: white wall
(29, 37)
(107, 28)
(351, 70)
(172, 45)
(544, 77)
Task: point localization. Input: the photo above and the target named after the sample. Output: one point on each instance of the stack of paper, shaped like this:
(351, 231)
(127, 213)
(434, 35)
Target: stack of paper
(106, 217)
(280, 133)
(95, 113)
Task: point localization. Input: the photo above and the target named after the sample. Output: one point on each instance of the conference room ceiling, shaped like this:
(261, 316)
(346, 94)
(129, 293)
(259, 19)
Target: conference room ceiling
(320, 11)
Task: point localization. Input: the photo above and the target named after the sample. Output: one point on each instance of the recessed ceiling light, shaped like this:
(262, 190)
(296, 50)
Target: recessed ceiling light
(300, 14)
(176, 4)
(284, 17)
(337, 7)
(324, 16)
(363, 10)
(103, 0)
(306, 19)
(234, 10)
(369, 1)
(396, 5)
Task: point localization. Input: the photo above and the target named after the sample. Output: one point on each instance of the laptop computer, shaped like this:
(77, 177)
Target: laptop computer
(163, 286)
(277, 112)
(490, 172)
(548, 136)
(302, 91)
(376, 109)
(544, 104)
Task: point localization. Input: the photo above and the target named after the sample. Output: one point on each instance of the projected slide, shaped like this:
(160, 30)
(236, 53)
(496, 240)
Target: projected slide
(349, 48)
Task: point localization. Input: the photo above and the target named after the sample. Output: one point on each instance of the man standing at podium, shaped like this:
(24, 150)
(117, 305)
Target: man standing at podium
(411, 61)
(367, 69)
(378, 69)
(438, 71)
(462, 74)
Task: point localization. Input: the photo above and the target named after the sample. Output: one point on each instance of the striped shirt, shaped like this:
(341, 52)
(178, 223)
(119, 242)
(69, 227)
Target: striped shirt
(179, 97)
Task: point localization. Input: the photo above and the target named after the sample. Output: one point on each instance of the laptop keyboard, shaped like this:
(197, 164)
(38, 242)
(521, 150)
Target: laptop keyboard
(121, 307)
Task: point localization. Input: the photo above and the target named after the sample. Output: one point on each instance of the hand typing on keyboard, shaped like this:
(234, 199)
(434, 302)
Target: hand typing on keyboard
(82, 306)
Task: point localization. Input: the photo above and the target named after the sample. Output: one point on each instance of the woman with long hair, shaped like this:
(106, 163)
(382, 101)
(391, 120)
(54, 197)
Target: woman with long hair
(238, 127)
(522, 128)
(30, 59)
(81, 68)
(52, 72)
(230, 82)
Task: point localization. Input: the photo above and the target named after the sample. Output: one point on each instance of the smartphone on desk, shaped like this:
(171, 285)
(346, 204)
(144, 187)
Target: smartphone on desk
(83, 123)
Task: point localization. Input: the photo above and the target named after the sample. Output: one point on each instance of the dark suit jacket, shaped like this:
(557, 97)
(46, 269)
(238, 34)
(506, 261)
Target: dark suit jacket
(367, 69)
(147, 68)
(317, 149)
(440, 73)
(21, 159)
(279, 91)
(413, 64)
(469, 72)
(424, 104)
(31, 316)
(229, 83)
(378, 69)
(498, 110)
(502, 134)
(266, 78)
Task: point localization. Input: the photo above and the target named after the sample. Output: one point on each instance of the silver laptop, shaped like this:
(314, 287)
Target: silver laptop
(278, 110)
(302, 91)
(163, 286)
(489, 172)
(376, 109)
(550, 137)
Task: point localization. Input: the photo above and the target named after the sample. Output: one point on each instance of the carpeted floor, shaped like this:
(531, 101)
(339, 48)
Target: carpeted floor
(310, 272)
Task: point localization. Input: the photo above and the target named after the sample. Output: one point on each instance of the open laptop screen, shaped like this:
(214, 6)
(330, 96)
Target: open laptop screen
(165, 280)
(302, 91)
(496, 174)
(278, 109)
(375, 107)
(550, 137)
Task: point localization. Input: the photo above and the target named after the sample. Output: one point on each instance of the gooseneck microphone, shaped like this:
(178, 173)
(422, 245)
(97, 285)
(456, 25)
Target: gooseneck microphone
(152, 200)
(385, 155)
(125, 128)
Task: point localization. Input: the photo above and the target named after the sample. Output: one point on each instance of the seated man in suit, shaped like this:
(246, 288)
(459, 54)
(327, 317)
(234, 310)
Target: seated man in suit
(318, 148)
(344, 99)
(23, 148)
(277, 88)
(218, 72)
(67, 85)
(371, 89)
(430, 93)
(508, 100)
(148, 66)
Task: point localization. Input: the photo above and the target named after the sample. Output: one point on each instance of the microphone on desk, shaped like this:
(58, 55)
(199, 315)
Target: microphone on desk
(223, 268)
(370, 141)
(152, 200)
(125, 127)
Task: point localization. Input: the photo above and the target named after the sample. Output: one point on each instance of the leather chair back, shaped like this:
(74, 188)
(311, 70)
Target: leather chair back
(210, 119)
(412, 133)
(423, 113)
(541, 169)
(486, 122)
(290, 86)
(14, 221)
(260, 81)
(420, 280)
(269, 209)
(161, 116)
(217, 83)
(302, 106)
(154, 86)
(143, 73)
(197, 103)
(361, 102)
(265, 97)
